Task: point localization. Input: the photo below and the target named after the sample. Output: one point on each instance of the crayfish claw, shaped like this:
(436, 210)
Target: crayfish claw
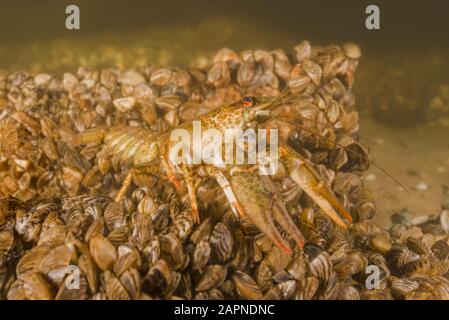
(284, 219)
(308, 180)
(258, 206)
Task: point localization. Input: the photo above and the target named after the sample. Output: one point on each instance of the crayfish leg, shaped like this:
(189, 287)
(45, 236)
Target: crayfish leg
(191, 188)
(125, 186)
(170, 174)
(223, 182)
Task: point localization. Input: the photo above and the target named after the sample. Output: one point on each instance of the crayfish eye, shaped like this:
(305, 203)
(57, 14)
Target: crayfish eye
(248, 101)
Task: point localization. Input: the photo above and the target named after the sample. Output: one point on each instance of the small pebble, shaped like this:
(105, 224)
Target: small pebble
(403, 218)
(420, 220)
(441, 169)
(370, 177)
(444, 220)
(422, 186)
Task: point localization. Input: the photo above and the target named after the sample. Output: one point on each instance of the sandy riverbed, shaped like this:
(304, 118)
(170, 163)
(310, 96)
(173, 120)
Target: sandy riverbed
(418, 158)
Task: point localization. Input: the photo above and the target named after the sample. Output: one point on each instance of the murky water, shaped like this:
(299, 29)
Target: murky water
(403, 66)
(402, 81)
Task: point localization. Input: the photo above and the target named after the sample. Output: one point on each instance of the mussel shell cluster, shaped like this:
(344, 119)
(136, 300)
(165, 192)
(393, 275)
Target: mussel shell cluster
(41, 114)
(156, 252)
(54, 220)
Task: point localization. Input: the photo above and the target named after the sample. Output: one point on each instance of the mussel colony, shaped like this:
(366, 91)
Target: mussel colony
(57, 211)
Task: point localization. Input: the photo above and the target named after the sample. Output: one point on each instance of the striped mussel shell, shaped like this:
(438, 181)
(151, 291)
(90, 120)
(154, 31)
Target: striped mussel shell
(348, 292)
(221, 243)
(417, 246)
(276, 259)
(319, 263)
(114, 288)
(375, 294)
(401, 260)
(440, 249)
(308, 288)
(11, 248)
(201, 255)
(352, 264)
(80, 292)
(158, 279)
(264, 276)
(172, 251)
(212, 277)
(430, 288)
(246, 287)
(402, 287)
